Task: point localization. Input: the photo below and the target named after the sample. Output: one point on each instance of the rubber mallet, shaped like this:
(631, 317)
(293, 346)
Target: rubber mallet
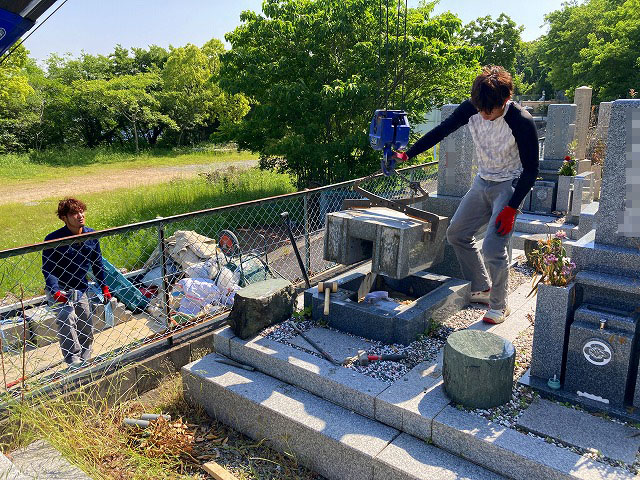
(327, 288)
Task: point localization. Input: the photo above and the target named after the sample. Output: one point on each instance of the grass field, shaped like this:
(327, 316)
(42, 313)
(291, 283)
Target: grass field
(27, 224)
(50, 165)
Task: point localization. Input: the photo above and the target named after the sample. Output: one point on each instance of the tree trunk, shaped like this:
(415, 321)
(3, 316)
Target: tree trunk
(135, 135)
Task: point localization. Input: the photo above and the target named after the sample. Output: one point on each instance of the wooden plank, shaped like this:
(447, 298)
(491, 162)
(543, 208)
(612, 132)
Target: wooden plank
(218, 472)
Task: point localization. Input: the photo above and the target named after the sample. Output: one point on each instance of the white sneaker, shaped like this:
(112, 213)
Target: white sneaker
(496, 316)
(480, 296)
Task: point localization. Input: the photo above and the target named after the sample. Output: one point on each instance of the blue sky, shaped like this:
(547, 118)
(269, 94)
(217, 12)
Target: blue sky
(96, 26)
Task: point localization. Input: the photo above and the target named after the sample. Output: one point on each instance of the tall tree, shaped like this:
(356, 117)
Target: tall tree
(499, 39)
(315, 71)
(594, 43)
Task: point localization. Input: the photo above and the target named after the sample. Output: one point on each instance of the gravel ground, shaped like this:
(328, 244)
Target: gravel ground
(427, 347)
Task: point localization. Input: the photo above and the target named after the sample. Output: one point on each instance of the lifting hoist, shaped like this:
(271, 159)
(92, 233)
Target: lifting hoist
(389, 131)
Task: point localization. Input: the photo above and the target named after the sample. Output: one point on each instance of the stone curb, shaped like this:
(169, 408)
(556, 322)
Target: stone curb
(332, 441)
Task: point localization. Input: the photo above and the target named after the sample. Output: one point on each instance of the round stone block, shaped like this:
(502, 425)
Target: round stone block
(478, 368)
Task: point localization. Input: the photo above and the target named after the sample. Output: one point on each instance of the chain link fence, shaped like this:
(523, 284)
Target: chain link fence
(166, 276)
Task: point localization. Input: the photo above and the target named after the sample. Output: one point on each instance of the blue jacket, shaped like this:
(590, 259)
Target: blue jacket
(65, 267)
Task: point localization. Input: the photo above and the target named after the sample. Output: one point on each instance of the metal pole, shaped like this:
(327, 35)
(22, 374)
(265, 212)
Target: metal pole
(165, 285)
(307, 238)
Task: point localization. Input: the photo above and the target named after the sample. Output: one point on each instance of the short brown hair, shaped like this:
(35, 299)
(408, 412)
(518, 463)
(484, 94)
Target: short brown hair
(70, 205)
(491, 88)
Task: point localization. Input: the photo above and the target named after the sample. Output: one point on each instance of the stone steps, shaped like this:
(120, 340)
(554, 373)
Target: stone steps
(414, 405)
(333, 441)
(40, 461)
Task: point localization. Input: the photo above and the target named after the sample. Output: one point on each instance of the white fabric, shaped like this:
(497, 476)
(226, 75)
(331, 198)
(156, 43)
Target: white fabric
(199, 292)
(496, 148)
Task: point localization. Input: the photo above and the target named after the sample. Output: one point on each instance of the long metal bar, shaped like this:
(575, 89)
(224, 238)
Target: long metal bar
(165, 284)
(37, 247)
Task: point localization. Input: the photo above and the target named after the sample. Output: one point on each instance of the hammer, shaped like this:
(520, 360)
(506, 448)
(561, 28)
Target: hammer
(327, 288)
(364, 359)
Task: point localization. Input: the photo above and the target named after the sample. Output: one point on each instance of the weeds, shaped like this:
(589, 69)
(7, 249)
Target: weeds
(91, 435)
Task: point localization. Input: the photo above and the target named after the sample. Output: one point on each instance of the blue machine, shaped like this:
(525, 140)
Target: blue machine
(389, 130)
(12, 27)
(17, 17)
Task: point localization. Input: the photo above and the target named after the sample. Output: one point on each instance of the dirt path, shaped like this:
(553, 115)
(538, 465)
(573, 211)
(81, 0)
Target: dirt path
(28, 192)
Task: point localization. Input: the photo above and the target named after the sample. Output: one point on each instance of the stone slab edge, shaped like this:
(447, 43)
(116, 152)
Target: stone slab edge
(512, 453)
(327, 438)
(336, 384)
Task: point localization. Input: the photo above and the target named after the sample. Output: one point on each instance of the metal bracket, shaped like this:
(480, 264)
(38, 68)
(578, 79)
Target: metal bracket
(400, 205)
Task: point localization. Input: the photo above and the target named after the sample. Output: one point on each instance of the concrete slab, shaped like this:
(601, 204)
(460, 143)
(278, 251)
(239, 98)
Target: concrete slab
(40, 460)
(580, 429)
(408, 458)
(339, 345)
(329, 439)
(337, 384)
(512, 453)
(411, 403)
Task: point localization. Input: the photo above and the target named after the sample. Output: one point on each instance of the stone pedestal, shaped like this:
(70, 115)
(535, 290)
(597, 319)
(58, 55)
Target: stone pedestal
(564, 191)
(478, 368)
(582, 194)
(398, 245)
(553, 311)
(261, 304)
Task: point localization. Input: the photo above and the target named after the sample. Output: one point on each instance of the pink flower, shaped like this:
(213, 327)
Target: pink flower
(561, 234)
(550, 258)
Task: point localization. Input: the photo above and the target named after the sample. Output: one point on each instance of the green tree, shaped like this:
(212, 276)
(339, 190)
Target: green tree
(312, 73)
(499, 38)
(131, 97)
(533, 71)
(192, 97)
(595, 43)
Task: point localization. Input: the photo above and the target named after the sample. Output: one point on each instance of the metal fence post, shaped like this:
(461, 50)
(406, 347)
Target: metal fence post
(307, 238)
(165, 284)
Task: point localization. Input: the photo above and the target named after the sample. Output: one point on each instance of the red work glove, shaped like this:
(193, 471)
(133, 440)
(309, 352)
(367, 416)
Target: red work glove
(505, 220)
(60, 297)
(401, 156)
(106, 293)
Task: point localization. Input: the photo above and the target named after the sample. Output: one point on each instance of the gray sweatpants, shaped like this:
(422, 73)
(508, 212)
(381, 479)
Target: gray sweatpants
(75, 328)
(480, 206)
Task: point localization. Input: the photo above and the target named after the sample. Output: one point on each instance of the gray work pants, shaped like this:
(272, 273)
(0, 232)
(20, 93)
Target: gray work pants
(75, 328)
(479, 207)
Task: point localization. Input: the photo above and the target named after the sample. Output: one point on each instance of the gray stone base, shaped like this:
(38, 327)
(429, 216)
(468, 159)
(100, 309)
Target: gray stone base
(437, 297)
(540, 386)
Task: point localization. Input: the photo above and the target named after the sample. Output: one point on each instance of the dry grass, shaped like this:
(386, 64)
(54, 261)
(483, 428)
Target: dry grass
(92, 436)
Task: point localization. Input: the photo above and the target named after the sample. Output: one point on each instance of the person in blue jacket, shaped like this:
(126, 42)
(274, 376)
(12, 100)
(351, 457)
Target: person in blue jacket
(506, 143)
(65, 271)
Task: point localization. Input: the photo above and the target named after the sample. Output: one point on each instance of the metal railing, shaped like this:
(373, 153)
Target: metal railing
(168, 276)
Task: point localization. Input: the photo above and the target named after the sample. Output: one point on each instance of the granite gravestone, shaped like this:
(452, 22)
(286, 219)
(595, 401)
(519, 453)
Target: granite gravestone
(542, 197)
(457, 166)
(601, 357)
(618, 217)
(604, 116)
(582, 99)
(559, 134)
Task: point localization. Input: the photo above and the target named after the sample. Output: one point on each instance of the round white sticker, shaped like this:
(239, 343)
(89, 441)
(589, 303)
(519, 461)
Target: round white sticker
(597, 352)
